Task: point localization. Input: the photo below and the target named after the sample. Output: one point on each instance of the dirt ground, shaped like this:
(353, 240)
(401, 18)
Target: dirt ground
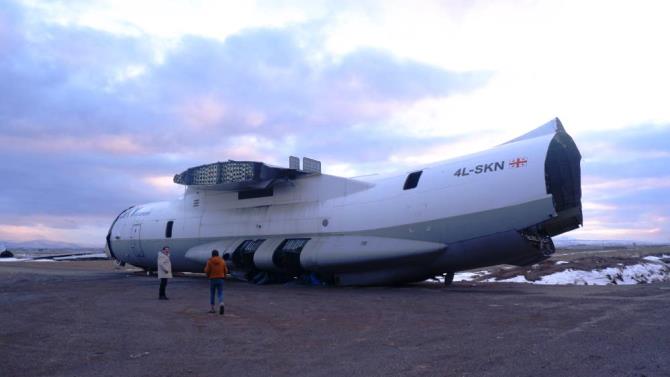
(88, 318)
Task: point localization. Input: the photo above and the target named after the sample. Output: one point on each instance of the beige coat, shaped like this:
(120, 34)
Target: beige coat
(164, 266)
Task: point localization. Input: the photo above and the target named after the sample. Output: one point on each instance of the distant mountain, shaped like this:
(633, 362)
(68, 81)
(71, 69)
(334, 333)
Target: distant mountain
(570, 243)
(42, 244)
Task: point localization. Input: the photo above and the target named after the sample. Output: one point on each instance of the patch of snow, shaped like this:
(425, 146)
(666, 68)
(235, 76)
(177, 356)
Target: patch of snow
(82, 256)
(516, 279)
(654, 258)
(635, 274)
(651, 269)
(25, 260)
(30, 258)
(460, 276)
(468, 276)
(12, 259)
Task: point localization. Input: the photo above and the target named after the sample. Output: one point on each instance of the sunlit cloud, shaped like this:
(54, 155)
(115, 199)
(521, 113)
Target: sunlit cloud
(131, 72)
(591, 73)
(112, 144)
(626, 222)
(85, 235)
(203, 112)
(170, 19)
(164, 184)
(593, 206)
(251, 147)
(596, 187)
(604, 152)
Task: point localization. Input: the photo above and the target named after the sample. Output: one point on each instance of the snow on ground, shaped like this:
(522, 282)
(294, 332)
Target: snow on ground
(12, 259)
(82, 256)
(654, 258)
(31, 257)
(466, 276)
(625, 275)
(24, 260)
(651, 269)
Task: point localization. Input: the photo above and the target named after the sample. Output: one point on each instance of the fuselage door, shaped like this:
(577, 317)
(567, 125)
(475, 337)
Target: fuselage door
(135, 244)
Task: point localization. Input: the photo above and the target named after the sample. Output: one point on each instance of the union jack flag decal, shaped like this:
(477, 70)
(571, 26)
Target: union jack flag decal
(518, 162)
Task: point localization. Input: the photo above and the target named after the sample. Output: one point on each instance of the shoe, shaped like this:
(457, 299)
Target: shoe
(211, 311)
(163, 298)
(221, 310)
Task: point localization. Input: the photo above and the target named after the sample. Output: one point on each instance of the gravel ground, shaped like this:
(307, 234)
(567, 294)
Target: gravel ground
(88, 318)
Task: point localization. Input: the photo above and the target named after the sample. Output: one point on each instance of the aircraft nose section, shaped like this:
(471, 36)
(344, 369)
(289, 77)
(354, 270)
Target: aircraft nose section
(108, 240)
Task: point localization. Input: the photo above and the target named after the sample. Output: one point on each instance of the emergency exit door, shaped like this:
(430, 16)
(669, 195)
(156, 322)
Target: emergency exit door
(135, 241)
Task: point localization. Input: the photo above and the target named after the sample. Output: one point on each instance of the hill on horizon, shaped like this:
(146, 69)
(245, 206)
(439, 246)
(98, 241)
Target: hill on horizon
(44, 244)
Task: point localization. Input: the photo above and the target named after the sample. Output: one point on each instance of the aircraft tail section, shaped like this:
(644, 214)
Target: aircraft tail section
(563, 181)
(562, 175)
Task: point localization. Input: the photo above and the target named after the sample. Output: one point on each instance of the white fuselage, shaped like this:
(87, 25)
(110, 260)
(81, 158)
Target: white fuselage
(495, 191)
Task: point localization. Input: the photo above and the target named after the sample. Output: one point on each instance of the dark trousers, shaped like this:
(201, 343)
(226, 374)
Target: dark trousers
(161, 291)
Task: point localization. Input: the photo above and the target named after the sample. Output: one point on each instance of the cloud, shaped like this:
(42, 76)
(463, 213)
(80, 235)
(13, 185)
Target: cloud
(633, 222)
(626, 181)
(97, 121)
(174, 18)
(109, 99)
(613, 187)
(636, 152)
(85, 235)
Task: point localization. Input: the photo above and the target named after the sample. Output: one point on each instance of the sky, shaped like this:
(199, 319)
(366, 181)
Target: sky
(102, 102)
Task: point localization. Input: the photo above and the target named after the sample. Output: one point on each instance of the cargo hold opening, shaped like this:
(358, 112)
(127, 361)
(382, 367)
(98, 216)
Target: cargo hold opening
(563, 181)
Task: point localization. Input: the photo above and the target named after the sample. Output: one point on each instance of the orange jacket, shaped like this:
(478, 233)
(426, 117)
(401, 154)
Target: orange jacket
(216, 268)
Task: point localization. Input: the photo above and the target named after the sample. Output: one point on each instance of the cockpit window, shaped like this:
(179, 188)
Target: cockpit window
(412, 180)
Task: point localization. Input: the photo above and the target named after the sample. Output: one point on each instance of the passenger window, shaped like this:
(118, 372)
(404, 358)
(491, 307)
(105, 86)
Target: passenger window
(412, 180)
(168, 229)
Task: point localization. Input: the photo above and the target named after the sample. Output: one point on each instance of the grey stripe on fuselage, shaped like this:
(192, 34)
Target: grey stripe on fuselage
(447, 230)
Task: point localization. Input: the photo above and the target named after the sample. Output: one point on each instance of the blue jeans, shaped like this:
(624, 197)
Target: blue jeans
(215, 285)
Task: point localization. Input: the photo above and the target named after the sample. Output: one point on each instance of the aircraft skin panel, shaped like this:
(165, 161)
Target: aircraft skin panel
(314, 188)
(263, 255)
(445, 231)
(457, 195)
(468, 226)
(384, 204)
(498, 194)
(549, 128)
(344, 253)
(200, 253)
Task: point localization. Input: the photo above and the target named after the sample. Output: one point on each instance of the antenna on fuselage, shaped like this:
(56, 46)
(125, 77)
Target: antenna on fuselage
(293, 162)
(311, 166)
(308, 165)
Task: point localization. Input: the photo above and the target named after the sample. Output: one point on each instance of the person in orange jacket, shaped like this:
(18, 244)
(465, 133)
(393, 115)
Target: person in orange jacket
(216, 271)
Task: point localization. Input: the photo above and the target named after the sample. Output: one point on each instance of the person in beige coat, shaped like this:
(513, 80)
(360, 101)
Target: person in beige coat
(164, 271)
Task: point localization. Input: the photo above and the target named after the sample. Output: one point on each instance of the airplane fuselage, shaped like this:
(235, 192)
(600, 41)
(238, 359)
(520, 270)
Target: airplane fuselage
(501, 205)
